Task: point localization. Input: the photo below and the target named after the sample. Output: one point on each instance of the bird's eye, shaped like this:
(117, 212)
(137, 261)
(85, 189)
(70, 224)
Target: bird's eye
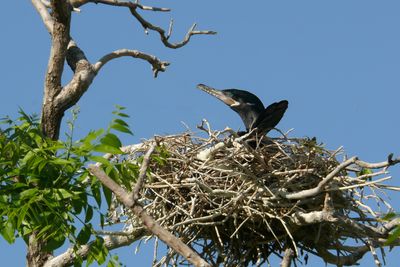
(250, 104)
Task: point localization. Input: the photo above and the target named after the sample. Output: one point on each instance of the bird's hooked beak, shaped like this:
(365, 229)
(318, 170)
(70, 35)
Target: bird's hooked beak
(218, 94)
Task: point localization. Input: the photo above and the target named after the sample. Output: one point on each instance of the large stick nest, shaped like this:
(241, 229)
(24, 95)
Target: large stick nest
(237, 202)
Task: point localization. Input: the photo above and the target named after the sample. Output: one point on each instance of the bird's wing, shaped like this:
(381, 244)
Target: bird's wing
(270, 117)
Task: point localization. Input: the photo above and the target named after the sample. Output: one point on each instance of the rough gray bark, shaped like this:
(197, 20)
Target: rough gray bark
(51, 112)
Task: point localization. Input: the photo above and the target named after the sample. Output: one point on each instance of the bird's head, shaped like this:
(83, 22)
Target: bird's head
(224, 96)
(234, 98)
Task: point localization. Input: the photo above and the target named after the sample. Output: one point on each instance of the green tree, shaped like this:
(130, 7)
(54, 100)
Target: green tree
(44, 182)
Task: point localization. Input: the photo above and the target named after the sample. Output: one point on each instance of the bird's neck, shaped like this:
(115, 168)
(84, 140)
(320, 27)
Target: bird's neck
(248, 117)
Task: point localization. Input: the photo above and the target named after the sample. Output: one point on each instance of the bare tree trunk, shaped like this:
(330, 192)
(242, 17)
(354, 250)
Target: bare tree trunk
(36, 256)
(51, 121)
(51, 114)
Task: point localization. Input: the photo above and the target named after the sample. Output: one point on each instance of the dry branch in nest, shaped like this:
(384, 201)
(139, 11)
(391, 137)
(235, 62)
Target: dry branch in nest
(238, 202)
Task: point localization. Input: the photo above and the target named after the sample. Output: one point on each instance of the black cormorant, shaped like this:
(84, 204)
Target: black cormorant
(250, 108)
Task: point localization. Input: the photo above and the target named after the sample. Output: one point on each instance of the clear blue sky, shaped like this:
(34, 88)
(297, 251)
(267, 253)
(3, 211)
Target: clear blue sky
(337, 62)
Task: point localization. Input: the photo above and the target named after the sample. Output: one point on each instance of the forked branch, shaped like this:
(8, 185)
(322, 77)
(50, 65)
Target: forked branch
(165, 36)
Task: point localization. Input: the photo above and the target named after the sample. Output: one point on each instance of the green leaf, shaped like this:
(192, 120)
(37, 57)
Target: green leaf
(121, 128)
(101, 220)
(113, 262)
(60, 161)
(7, 231)
(42, 165)
(92, 135)
(22, 213)
(107, 195)
(63, 194)
(112, 140)
(120, 114)
(28, 157)
(365, 171)
(120, 122)
(55, 242)
(118, 107)
(89, 214)
(393, 236)
(107, 149)
(97, 252)
(77, 205)
(96, 194)
(100, 252)
(389, 216)
(29, 193)
(84, 235)
(100, 160)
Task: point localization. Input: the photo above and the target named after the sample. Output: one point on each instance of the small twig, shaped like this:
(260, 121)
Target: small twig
(238, 228)
(171, 25)
(360, 185)
(142, 173)
(155, 251)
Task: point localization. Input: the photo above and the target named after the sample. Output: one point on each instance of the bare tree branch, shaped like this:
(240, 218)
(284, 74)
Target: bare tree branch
(142, 173)
(128, 201)
(157, 65)
(44, 14)
(347, 260)
(164, 37)
(389, 226)
(320, 187)
(302, 218)
(389, 162)
(78, 3)
(287, 257)
(110, 242)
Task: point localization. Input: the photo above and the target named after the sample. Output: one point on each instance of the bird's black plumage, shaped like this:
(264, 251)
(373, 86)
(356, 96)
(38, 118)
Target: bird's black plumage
(250, 108)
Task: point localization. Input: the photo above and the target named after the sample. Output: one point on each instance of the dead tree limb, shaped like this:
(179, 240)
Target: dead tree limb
(110, 242)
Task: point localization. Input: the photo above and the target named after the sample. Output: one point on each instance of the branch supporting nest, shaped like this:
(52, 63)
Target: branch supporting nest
(129, 200)
(218, 192)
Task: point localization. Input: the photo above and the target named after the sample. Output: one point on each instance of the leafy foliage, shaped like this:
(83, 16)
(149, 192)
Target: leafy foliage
(45, 187)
